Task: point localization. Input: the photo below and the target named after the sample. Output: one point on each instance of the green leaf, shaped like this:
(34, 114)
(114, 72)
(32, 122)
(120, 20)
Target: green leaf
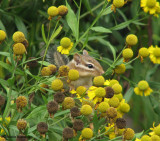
(39, 111)
(20, 25)
(154, 85)
(5, 54)
(10, 68)
(107, 11)
(43, 34)
(62, 113)
(44, 63)
(2, 27)
(55, 34)
(129, 94)
(106, 43)
(72, 21)
(101, 29)
(121, 25)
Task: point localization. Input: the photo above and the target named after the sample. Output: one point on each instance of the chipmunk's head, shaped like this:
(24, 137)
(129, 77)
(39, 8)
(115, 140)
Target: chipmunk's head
(87, 66)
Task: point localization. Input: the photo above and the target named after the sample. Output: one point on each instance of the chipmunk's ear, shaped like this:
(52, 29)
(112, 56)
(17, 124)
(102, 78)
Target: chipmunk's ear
(77, 58)
(85, 52)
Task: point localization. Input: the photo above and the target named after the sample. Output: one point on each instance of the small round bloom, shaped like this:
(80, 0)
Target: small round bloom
(98, 81)
(19, 49)
(18, 37)
(57, 85)
(86, 110)
(155, 138)
(68, 103)
(59, 97)
(146, 138)
(120, 123)
(2, 35)
(65, 45)
(143, 85)
(21, 102)
(127, 53)
(119, 96)
(100, 92)
(78, 125)
(88, 102)
(129, 134)
(44, 86)
(111, 112)
(118, 3)
(2, 139)
(120, 69)
(52, 11)
(63, 70)
(114, 102)
(68, 133)
(143, 88)
(52, 107)
(154, 54)
(112, 82)
(131, 40)
(2, 100)
(53, 68)
(25, 43)
(143, 52)
(81, 90)
(62, 10)
(87, 133)
(73, 74)
(117, 88)
(46, 71)
(109, 92)
(124, 107)
(21, 124)
(42, 127)
(75, 112)
(103, 106)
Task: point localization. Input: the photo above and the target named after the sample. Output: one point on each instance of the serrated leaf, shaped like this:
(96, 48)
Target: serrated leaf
(101, 29)
(107, 11)
(55, 34)
(72, 21)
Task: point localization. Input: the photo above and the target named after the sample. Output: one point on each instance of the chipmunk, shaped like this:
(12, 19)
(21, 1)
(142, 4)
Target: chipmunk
(86, 65)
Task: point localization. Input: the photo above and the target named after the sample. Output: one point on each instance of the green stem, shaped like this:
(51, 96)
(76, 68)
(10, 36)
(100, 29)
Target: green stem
(93, 9)
(132, 61)
(48, 43)
(94, 22)
(8, 103)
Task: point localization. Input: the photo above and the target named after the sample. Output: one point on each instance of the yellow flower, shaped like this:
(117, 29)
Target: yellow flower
(143, 88)
(109, 129)
(106, 83)
(155, 129)
(6, 121)
(137, 139)
(150, 6)
(154, 54)
(65, 45)
(92, 95)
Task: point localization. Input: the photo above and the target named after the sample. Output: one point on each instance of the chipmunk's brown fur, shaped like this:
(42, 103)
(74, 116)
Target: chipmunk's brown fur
(87, 67)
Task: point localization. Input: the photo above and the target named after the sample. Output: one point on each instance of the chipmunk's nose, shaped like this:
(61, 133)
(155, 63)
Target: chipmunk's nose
(102, 72)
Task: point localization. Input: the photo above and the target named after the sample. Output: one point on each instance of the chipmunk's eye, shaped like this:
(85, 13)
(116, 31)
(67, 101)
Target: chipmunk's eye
(90, 66)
